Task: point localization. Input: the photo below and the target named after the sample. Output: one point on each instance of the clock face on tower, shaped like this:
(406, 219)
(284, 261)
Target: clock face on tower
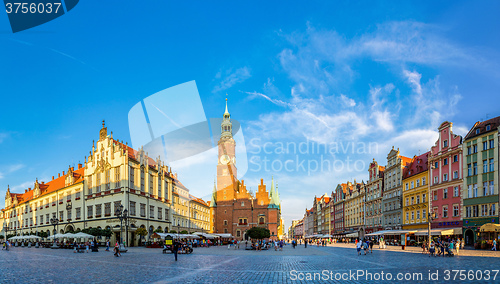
(224, 159)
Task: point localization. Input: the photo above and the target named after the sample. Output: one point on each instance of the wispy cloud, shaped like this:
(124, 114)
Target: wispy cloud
(6, 170)
(231, 78)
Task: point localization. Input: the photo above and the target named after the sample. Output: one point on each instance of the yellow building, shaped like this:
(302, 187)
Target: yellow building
(355, 209)
(415, 193)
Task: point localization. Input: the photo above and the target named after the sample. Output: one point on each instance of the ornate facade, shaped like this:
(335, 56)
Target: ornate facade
(233, 208)
(114, 174)
(374, 193)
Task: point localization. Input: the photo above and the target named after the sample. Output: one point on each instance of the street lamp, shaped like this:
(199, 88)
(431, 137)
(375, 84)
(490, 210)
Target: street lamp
(430, 216)
(54, 221)
(122, 215)
(68, 211)
(178, 229)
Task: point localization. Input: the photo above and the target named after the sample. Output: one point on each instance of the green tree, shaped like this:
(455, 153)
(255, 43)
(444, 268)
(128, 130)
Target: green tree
(43, 234)
(141, 232)
(259, 233)
(173, 231)
(158, 230)
(1, 237)
(183, 232)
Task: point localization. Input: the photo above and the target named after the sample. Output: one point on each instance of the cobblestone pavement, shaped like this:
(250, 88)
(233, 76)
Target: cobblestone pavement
(220, 265)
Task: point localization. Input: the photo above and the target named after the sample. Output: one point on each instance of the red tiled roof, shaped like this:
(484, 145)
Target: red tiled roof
(405, 160)
(416, 166)
(49, 187)
(494, 123)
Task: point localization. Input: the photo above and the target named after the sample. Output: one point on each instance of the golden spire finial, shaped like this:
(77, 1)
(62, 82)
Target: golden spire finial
(103, 123)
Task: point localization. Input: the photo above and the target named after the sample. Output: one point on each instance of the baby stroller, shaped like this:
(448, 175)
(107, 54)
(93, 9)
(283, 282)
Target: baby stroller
(449, 252)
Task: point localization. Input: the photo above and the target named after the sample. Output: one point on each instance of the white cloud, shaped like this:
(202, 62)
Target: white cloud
(414, 80)
(232, 78)
(10, 169)
(348, 102)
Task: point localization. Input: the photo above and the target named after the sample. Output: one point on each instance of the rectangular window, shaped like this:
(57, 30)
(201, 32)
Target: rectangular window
(132, 177)
(455, 210)
(475, 211)
(412, 185)
(484, 210)
(455, 174)
(469, 151)
(469, 191)
(89, 181)
(78, 213)
(418, 199)
(423, 181)
(108, 180)
(418, 182)
(117, 176)
(436, 179)
(61, 216)
(142, 179)
(469, 170)
(77, 195)
(412, 215)
(474, 148)
(492, 165)
(159, 213)
(455, 158)
(407, 202)
(455, 191)
(406, 217)
(423, 214)
(412, 200)
(492, 189)
(445, 143)
(150, 184)
(69, 214)
(485, 166)
(406, 186)
(445, 177)
(151, 211)
(468, 212)
(445, 211)
(492, 144)
(493, 210)
(132, 208)
(445, 193)
(423, 197)
(485, 188)
(107, 209)
(47, 218)
(143, 210)
(436, 165)
(41, 219)
(485, 145)
(445, 161)
(475, 190)
(474, 168)
(98, 210)
(98, 183)
(117, 205)
(435, 195)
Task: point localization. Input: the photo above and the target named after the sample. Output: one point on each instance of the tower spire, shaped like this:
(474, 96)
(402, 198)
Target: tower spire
(213, 201)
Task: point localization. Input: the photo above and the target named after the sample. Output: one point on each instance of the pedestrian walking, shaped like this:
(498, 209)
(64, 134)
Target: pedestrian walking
(305, 244)
(116, 250)
(281, 245)
(457, 246)
(175, 249)
(371, 246)
(365, 246)
(107, 245)
(87, 246)
(358, 247)
(494, 245)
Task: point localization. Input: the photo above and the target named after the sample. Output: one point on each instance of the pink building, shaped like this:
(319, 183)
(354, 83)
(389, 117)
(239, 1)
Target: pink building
(445, 161)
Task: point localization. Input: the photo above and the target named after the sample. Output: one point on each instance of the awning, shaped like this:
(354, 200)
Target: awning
(490, 227)
(352, 235)
(379, 233)
(399, 232)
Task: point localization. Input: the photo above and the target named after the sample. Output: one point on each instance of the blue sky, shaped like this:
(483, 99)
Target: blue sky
(344, 73)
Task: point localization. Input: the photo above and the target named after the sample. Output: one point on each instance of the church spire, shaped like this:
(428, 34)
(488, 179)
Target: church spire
(226, 125)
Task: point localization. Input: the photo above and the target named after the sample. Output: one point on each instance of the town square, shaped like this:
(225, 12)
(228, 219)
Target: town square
(249, 141)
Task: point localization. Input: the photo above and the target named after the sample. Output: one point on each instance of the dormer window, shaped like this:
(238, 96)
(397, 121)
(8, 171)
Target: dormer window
(488, 127)
(477, 131)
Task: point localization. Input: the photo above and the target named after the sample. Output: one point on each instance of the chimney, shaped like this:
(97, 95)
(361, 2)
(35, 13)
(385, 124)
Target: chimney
(261, 181)
(26, 190)
(43, 182)
(58, 175)
(72, 169)
(80, 166)
(63, 173)
(52, 177)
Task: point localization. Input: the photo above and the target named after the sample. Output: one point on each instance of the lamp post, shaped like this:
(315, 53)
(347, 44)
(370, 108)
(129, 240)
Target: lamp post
(68, 211)
(178, 230)
(54, 221)
(430, 216)
(122, 215)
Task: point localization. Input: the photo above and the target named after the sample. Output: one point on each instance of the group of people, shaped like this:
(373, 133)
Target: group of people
(365, 244)
(440, 247)
(6, 245)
